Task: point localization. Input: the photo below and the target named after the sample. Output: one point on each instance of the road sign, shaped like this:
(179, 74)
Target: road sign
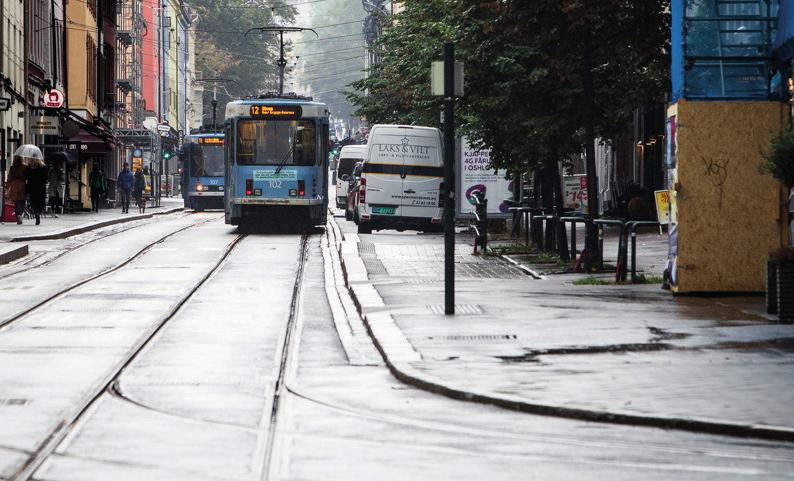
(437, 79)
(164, 128)
(46, 125)
(5, 104)
(53, 99)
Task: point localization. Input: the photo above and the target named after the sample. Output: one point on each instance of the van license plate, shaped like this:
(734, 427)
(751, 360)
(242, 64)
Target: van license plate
(384, 210)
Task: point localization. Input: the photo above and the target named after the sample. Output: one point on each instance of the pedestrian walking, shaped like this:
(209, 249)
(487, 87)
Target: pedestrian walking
(54, 181)
(125, 184)
(16, 186)
(37, 186)
(137, 191)
(98, 186)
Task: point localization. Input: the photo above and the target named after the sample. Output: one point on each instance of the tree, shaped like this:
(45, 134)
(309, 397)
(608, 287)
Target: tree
(224, 51)
(544, 78)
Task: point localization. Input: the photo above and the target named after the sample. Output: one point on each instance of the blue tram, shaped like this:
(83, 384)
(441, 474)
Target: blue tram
(202, 176)
(276, 162)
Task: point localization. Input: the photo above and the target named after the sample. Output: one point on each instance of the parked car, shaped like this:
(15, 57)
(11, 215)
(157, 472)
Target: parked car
(402, 180)
(353, 184)
(348, 157)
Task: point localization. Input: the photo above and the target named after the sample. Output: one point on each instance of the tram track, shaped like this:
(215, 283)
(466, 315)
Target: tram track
(106, 385)
(287, 348)
(21, 314)
(69, 250)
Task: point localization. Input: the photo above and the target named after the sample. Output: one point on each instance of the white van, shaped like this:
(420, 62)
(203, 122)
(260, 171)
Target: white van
(402, 179)
(348, 157)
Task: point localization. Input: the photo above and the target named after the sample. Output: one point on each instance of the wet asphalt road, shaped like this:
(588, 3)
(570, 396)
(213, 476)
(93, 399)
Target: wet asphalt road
(196, 401)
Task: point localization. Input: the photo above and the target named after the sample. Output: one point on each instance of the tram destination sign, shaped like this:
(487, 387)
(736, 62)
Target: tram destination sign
(276, 111)
(210, 140)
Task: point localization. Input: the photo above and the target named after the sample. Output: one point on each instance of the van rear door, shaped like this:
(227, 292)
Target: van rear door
(383, 170)
(422, 174)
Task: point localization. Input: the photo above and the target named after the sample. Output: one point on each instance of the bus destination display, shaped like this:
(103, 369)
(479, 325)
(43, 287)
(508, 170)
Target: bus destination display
(210, 140)
(276, 111)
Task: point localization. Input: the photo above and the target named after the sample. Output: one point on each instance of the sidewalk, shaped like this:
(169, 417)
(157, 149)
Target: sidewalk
(66, 225)
(631, 354)
(13, 236)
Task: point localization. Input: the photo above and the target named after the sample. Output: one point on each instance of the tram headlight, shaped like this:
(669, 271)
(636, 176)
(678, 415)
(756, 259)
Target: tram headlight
(200, 188)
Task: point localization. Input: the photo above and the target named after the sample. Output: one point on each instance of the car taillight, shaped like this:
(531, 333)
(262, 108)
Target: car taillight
(301, 188)
(249, 186)
(441, 195)
(362, 191)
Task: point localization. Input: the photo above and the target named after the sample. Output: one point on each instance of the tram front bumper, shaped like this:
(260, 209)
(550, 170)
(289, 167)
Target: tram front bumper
(276, 201)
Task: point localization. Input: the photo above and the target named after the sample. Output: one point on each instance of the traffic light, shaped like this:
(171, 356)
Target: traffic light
(166, 154)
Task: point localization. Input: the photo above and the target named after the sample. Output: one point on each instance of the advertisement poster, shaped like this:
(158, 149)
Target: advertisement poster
(475, 174)
(662, 206)
(575, 193)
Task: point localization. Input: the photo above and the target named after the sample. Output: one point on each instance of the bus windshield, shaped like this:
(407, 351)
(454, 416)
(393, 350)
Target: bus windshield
(206, 160)
(276, 142)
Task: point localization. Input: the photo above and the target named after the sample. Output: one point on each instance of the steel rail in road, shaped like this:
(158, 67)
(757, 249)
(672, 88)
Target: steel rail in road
(64, 427)
(19, 315)
(69, 250)
(286, 350)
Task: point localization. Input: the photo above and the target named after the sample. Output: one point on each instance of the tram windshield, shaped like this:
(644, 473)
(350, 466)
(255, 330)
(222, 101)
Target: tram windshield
(206, 160)
(276, 142)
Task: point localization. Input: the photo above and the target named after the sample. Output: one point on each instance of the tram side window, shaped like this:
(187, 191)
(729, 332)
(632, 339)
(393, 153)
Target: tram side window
(276, 142)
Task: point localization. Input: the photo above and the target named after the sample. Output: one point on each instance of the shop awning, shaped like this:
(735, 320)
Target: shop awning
(91, 144)
(783, 48)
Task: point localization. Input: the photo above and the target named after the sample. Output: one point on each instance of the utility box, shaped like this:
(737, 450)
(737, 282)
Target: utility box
(727, 216)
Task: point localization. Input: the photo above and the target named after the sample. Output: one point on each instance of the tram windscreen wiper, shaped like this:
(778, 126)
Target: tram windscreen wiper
(284, 160)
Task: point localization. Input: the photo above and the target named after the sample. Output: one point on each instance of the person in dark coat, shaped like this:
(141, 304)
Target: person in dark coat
(16, 186)
(98, 186)
(54, 183)
(37, 187)
(137, 190)
(125, 182)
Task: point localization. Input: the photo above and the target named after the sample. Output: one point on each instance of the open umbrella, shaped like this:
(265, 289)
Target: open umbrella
(29, 151)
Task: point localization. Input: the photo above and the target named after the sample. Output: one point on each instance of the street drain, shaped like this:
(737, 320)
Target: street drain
(478, 337)
(470, 309)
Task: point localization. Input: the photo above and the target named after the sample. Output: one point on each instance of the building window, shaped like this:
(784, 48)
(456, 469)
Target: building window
(91, 66)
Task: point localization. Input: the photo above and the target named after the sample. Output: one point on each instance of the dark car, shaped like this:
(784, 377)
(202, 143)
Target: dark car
(352, 192)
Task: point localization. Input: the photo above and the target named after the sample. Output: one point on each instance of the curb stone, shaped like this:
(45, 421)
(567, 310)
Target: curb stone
(72, 231)
(11, 253)
(399, 354)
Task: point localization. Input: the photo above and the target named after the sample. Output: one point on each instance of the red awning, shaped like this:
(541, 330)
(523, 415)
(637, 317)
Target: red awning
(91, 144)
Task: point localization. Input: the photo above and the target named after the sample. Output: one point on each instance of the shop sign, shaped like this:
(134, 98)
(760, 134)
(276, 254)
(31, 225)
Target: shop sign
(46, 125)
(5, 104)
(53, 99)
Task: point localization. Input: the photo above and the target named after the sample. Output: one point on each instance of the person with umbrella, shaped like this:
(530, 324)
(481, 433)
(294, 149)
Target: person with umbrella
(16, 185)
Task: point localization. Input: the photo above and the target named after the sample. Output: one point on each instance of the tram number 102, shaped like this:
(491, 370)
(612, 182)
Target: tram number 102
(275, 184)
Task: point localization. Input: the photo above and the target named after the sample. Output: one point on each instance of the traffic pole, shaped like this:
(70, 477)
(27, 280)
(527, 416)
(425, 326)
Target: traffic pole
(449, 179)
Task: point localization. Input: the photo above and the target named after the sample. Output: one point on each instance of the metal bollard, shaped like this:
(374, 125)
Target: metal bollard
(481, 222)
(632, 226)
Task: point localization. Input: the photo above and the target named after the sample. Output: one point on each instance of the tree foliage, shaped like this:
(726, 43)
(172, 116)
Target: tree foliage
(528, 64)
(224, 51)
